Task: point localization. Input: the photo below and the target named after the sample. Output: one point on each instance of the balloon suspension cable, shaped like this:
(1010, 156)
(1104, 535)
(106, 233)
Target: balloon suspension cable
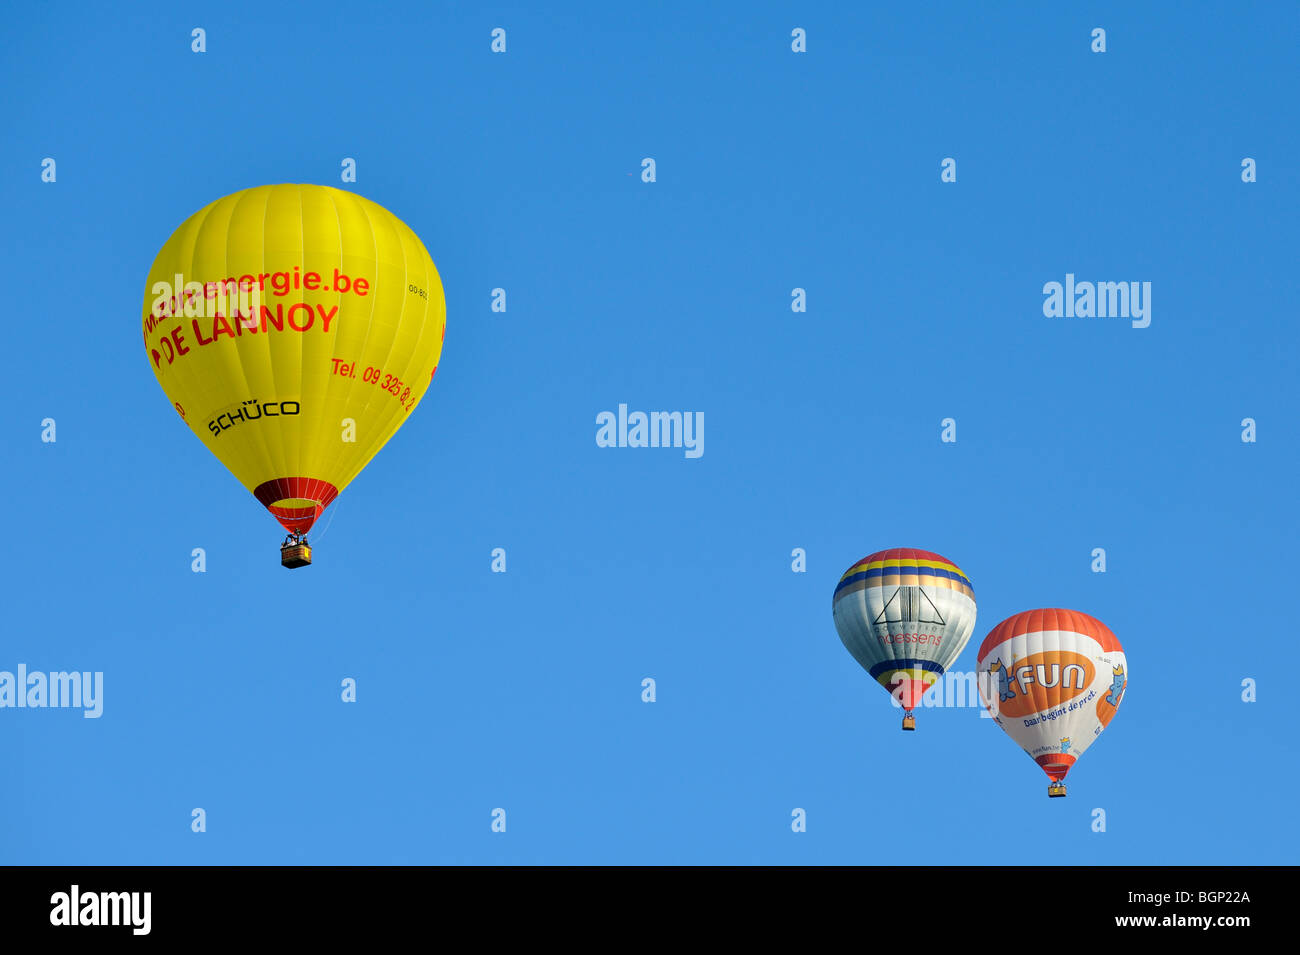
(294, 538)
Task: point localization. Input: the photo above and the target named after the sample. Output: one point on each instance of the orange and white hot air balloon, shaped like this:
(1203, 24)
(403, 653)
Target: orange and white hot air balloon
(1052, 679)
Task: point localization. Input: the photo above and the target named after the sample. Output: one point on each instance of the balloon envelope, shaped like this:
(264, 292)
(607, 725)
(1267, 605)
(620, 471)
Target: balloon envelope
(294, 328)
(1052, 679)
(905, 615)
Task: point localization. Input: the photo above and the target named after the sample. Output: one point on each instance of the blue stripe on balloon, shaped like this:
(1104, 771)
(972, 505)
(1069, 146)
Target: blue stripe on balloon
(896, 571)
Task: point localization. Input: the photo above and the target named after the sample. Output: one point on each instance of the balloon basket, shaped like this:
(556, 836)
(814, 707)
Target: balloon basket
(909, 722)
(295, 554)
(1056, 789)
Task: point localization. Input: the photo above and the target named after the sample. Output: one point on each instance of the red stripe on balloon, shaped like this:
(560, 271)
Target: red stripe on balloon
(1056, 765)
(297, 520)
(1035, 621)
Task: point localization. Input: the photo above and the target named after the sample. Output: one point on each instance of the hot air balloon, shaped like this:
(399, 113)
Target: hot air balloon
(294, 328)
(905, 615)
(1052, 679)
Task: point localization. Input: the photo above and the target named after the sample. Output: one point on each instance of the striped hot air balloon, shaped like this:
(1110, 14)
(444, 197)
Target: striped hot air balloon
(1052, 679)
(905, 615)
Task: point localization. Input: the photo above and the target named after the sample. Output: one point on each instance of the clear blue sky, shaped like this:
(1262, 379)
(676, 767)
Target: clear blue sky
(523, 690)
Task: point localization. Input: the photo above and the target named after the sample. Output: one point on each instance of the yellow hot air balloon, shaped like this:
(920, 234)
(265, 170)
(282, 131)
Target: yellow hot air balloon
(294, 328)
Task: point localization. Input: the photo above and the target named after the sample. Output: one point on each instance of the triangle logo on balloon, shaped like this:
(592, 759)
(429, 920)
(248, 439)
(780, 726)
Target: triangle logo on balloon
(910, 605)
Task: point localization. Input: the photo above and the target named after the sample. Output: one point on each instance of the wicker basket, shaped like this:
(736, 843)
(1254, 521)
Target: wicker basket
(295, 555)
